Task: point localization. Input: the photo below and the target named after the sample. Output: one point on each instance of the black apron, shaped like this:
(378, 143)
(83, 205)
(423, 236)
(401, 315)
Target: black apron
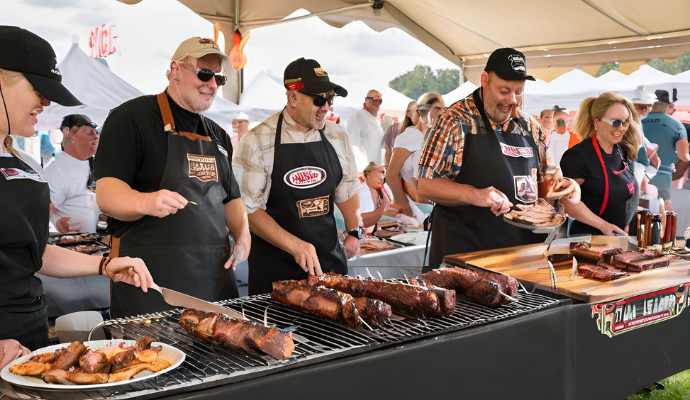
(23, 236)
(507, 161)
(605, 196)
(184, 251)
(301, 200)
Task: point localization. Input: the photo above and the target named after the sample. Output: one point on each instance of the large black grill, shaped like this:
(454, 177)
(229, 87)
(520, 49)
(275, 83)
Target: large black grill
(316, 340)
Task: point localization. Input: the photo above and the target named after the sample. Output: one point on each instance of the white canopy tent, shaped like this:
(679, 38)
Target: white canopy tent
(93, 83)
(466, 31)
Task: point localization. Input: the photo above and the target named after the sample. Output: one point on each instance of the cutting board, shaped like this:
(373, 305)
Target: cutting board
(527, 264)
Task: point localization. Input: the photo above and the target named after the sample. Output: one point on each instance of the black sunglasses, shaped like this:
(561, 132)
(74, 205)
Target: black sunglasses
(617, 123)
(205, 75)
(377, 100)
(319, 100)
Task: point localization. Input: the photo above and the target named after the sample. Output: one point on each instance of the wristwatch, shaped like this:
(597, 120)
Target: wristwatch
(357, 233)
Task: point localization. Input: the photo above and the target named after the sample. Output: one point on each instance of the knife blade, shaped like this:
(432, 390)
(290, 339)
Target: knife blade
(178, 299)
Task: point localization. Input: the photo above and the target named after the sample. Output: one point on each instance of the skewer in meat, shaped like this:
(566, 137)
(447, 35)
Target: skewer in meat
(244, 335)
(483, 287)
(375, 312)
(404, 298)
(318, 300)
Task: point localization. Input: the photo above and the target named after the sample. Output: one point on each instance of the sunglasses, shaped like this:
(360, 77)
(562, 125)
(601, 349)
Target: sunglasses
(205, 75)
(319, 100)
(617, 123)
(376, 100)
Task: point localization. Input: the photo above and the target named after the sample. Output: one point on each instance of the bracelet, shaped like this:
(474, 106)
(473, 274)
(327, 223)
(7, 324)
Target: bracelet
(105, 260)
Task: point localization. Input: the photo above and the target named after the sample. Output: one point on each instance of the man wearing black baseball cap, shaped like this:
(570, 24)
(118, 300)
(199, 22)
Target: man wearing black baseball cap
(292, 169)
(481, 157)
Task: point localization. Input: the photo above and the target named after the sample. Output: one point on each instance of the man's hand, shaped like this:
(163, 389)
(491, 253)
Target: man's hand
(305, 256)
(492, 198)
(10, 350)
(612, 230)
(64, 225)
(161, 203)
(351, 244)
(240, 252)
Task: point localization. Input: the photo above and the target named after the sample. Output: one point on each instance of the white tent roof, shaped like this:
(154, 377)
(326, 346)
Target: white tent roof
(93, 83)
(459, 93)
(263, 92)
(647, 75)
(611, 76)
(357, 89)
(596, 31)
(574, 80)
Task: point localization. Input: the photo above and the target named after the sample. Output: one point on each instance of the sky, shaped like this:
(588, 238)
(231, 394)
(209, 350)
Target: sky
(148, 33)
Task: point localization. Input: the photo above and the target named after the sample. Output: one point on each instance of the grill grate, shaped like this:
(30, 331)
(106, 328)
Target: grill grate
(316, 340)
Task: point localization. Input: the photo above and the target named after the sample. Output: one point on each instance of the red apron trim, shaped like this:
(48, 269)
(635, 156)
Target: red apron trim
(605, 200)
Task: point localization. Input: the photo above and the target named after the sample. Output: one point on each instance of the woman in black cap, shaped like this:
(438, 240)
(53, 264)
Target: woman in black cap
(29, 81)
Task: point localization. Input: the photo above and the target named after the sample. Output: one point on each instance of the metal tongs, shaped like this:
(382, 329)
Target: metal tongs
(549, 240)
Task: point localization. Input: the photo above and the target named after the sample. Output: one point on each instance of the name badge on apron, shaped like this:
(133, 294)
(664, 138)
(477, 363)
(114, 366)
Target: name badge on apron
(203, 168)
(16, 173)
(313, 207)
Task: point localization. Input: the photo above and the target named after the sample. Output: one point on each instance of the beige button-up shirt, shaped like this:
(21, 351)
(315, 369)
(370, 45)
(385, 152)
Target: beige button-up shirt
(252, 160)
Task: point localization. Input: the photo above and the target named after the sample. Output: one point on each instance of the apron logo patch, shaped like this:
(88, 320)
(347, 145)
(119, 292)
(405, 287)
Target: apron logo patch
(305, 177)
(203, 168)
(313, 207)
(16, 173)
(514, 151)
(525, 188)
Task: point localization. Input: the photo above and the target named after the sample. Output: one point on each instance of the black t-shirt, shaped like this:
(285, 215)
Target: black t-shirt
(581, 161)
(133, 146)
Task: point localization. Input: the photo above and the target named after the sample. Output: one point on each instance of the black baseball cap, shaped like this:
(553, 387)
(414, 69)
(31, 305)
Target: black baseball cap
(306, 75)
(509, 64)
(32, 56)
(73, 120)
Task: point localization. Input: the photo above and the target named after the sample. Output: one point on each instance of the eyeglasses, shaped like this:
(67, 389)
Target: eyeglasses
(319, 100)
(617, 123)
(375, 100)
(205, 75)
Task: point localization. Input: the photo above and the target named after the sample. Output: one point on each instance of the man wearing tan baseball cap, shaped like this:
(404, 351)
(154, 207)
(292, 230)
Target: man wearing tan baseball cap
(164, 176)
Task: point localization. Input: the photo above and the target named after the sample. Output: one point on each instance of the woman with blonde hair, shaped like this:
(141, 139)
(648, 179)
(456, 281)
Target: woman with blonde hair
(29, 81)
(374, 194)
(602, 165)
(402, 168)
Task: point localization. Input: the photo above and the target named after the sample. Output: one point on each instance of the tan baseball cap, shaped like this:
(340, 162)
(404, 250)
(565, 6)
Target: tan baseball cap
(197, 47)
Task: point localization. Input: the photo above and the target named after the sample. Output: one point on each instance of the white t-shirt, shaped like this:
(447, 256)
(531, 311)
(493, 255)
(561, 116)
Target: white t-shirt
(558, 145)
(366, 201)
(67, 178)
(411, 140)
(365, 132)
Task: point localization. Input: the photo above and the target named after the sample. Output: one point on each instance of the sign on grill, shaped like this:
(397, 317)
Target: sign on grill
(621, 316)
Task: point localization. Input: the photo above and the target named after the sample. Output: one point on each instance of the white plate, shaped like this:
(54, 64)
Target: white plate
(170, 353)
(415, 238)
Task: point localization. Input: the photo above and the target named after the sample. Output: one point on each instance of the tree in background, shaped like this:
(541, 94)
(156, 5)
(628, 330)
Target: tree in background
(606, 68)
(677, 66)
(423, 79)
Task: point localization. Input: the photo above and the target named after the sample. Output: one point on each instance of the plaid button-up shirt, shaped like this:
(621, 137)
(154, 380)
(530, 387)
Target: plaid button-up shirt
(441, 155)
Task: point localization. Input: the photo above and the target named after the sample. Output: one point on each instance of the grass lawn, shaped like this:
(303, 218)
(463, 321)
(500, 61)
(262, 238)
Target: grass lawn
(677, 387)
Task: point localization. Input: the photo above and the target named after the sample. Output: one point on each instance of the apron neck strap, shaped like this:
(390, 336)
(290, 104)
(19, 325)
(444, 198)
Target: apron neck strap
(605, 199)
(279, 128)
(166, 112)
(169, 121)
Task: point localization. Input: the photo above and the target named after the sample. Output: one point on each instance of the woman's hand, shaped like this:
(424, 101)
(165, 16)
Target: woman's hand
(129, 270)
(10, 350)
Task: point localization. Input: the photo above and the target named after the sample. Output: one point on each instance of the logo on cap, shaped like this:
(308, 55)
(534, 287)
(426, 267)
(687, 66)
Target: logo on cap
(209, 42)
(320, 72)
(517, 63)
